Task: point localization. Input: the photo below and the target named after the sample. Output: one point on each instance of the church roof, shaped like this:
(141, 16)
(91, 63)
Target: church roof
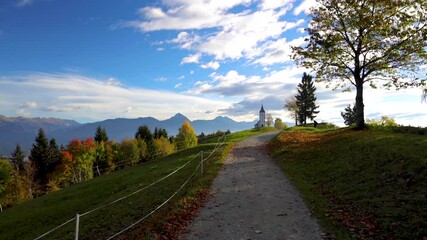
(262, 108)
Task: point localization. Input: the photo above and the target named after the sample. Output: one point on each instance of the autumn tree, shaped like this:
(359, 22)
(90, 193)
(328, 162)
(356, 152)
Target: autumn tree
(353, 43)
(18, 158)
(278, 123)
(5, 174)
(292, 108)
(349, 115)
(306, 99)
(80, 155)
(163, 147)
(186, 136)
(129, 151)
(269, 120)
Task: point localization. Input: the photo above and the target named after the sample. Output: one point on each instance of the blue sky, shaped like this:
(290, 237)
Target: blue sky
(90, 60)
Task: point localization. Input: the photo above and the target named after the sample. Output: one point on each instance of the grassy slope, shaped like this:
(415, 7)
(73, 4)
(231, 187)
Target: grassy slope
(33, 218)
(360, 184)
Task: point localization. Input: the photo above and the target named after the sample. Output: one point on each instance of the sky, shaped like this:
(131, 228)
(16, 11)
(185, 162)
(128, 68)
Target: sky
(91, 60)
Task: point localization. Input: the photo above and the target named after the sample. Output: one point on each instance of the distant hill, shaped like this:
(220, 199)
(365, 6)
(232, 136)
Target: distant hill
(23, 130)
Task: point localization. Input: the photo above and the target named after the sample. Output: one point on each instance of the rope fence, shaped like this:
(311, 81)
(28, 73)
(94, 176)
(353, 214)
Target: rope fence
(221, 140)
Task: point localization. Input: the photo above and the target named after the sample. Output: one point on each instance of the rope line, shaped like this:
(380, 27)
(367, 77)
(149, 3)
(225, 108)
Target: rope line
(217, 145)
(157, 208)
(142, 189)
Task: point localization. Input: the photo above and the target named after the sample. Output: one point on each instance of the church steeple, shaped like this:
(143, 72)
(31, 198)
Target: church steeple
(262, 109)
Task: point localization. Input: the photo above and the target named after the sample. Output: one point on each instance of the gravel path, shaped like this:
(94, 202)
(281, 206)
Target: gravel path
(252, 199)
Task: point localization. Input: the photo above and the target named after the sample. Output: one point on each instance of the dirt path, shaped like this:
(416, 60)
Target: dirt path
(251, 199)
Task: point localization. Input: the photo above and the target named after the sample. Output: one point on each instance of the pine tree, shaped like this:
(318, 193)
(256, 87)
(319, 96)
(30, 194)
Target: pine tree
(349, 115)
(54, 155)
(100, 135)
(144, 133)
(306, 99)
(18, 158)
(40, 156)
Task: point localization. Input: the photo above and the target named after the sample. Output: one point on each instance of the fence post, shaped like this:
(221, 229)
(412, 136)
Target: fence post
(76, 237)
(97, 169)
(201, 162)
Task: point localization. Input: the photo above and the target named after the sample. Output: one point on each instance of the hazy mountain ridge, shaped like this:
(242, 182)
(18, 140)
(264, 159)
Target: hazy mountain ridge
(24, 130)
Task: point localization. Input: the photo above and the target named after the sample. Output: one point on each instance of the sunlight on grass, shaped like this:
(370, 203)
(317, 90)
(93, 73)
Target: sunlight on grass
(361, 184)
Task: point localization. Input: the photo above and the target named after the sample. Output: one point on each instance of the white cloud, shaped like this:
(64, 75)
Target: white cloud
(214, 65)
(277, 51)
(301, 30)
(160, 79)
(178, 85)
(68, 96)
(305, 7)
(152, 13)
(191, 59)
(30, 104)
(232, 35)
(274, 4)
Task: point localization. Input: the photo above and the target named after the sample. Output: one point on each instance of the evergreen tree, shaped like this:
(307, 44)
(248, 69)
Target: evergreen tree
(306, 99)
(160, 132)
(144, 133)
(54, 155)
(40, 156)
(349, 115)
(18, 158)
(100, 135)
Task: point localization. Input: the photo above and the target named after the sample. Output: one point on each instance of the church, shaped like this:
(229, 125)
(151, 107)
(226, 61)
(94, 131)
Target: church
(261, 122)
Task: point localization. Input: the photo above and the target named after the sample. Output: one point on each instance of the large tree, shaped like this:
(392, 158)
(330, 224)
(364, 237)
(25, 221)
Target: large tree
(306, 99)
(353, 42)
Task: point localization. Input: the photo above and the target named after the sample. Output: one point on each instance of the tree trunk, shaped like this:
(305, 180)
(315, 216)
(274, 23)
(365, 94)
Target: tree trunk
(360, 114)
(296, 118)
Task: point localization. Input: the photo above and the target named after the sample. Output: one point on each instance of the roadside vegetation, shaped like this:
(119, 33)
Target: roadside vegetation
(33, 218)
(368, 184)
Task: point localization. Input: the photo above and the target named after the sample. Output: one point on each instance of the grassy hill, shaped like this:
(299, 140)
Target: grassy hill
(369, 184)
(33, 218)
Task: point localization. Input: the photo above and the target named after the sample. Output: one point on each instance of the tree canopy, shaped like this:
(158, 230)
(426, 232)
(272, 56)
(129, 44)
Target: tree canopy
(380, 42)
(186, 136)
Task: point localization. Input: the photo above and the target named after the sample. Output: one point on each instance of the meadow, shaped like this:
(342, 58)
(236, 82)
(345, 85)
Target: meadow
(368, 184)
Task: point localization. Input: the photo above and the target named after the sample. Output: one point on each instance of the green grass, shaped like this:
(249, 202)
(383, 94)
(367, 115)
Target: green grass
(33, 218)
(360, 184)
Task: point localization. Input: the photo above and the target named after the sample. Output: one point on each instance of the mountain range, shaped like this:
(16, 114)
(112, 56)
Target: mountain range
(14, 130)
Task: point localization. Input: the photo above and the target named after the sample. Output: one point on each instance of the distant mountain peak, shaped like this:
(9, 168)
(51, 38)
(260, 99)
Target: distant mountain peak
(179, 117)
